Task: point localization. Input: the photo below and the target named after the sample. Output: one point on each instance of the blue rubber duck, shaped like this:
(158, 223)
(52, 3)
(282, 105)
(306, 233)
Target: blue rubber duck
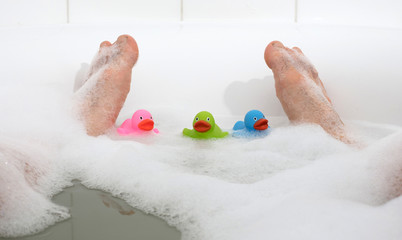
(255, 125)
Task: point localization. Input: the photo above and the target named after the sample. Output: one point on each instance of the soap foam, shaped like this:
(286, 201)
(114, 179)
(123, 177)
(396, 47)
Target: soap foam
(297, 183)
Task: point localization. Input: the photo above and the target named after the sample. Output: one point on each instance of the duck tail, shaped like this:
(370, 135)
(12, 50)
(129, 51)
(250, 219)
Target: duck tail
(239, 125)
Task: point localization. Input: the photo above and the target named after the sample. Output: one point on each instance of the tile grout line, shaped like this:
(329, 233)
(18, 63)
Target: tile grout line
(181, 10)
(296, 10)
(68, 11)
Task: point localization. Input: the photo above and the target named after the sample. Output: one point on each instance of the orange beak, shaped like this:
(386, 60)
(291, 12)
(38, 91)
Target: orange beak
(202, 126)
(261, 124)
(146, 125)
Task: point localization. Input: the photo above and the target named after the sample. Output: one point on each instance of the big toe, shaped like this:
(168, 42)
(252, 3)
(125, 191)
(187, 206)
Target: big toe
(126, 42)
(273, 54)
(128, 49)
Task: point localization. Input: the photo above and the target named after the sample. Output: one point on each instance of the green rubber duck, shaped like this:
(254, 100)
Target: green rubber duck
(204, 127)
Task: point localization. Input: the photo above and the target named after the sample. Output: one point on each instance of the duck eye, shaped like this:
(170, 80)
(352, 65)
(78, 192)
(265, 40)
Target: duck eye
(196, 119)
(150, 118)
(255, 118)
(208, 119)
(141, 118)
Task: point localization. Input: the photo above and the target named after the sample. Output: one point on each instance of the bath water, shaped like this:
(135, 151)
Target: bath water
(297, 183)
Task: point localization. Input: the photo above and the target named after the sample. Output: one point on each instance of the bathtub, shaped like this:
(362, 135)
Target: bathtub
(189, 67)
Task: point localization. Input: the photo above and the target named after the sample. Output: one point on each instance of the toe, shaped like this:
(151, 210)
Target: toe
(127, 50)
(273, 53)
(298, 50)
(126, 40)
(105, 44)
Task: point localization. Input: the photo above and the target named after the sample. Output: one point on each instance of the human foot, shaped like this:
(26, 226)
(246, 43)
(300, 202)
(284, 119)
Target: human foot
(300, 90)
(102, 96)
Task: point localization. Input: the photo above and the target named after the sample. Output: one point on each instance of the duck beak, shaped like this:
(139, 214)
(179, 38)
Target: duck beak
(261, 124)
(146, 125)
(202, 126)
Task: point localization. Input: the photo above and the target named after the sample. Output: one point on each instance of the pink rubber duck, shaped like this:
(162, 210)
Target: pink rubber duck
(140, 123)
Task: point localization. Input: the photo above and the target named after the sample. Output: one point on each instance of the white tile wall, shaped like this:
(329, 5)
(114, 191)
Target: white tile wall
(30, 12)
(100, 11)
(381, 13)
(386, 13)
(272, 10)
